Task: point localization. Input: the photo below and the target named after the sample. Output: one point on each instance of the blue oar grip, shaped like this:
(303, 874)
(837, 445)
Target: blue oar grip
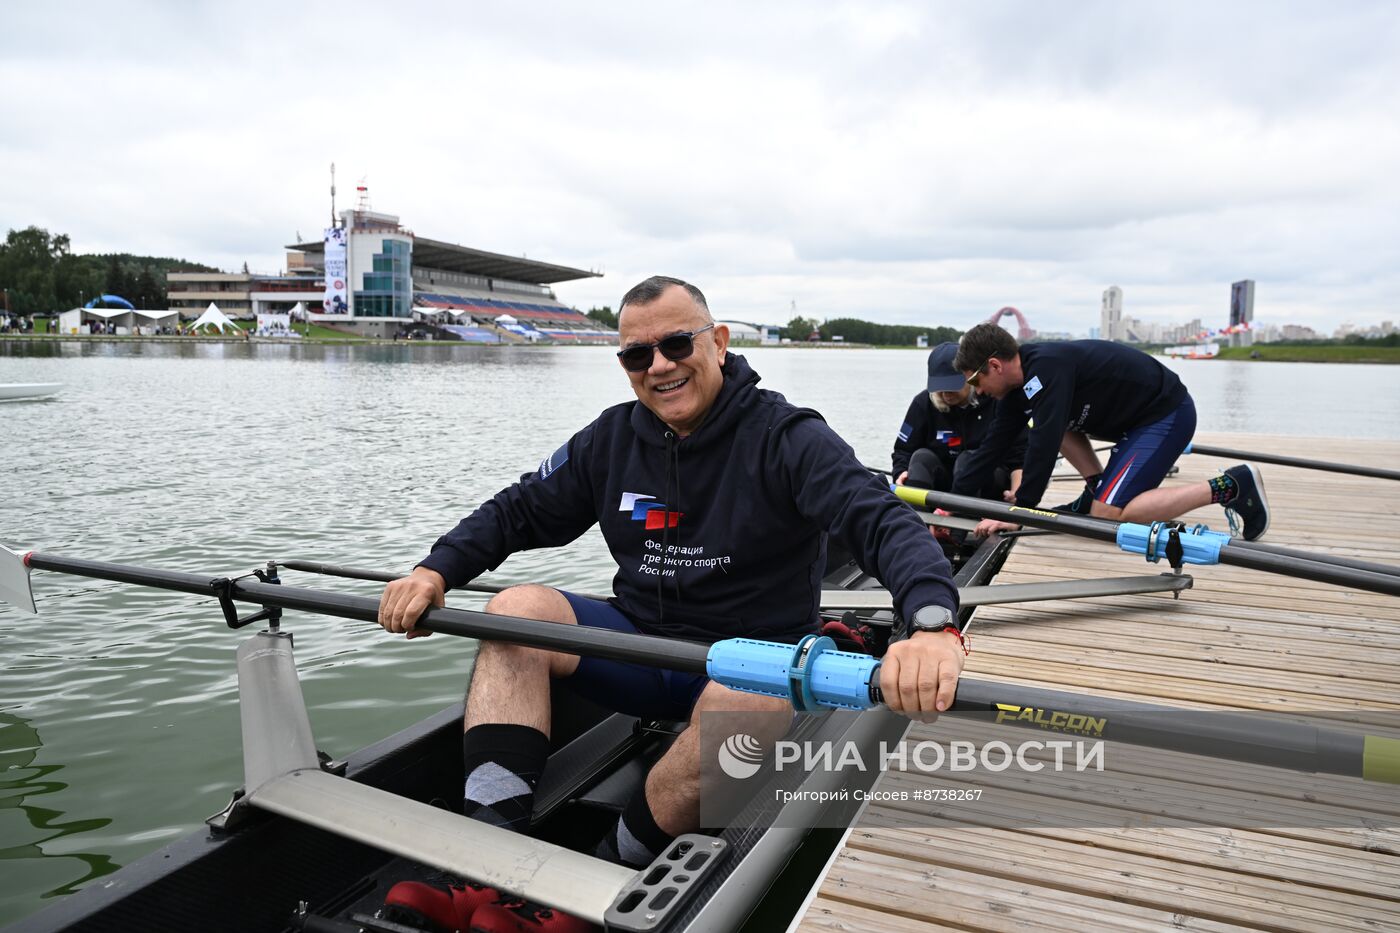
(1199, 545)
(811, 674)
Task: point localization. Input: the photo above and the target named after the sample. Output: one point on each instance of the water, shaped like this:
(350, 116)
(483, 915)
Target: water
(118, 720)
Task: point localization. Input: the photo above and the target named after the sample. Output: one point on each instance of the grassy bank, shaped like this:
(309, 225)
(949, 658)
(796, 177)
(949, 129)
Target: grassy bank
(1312, 353)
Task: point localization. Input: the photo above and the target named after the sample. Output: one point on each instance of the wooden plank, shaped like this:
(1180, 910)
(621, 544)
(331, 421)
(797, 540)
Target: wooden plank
(947, 895)
(827, 914)
(1302, 863)
(1134, 879)
(1138, 801)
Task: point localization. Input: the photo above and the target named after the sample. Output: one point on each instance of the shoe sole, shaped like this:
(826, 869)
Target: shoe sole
(1263, 500)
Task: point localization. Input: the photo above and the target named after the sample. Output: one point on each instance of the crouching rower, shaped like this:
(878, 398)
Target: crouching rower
(715, 499)
(1078, 389)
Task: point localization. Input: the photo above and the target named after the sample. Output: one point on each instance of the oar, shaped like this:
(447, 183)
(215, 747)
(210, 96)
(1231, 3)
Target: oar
(1285, 561)
(356, 573)
(810, 672)
(1281, 460)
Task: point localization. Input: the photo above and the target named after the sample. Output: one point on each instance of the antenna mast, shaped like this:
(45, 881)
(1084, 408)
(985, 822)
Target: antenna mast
(333, 223)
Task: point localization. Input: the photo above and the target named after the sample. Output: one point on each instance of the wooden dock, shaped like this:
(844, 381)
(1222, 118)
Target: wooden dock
(1239, 639)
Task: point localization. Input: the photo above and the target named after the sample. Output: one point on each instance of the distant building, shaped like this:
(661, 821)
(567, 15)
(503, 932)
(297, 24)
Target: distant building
(1242, 312)
(1111, 314)
(372, 276)
(742, 333)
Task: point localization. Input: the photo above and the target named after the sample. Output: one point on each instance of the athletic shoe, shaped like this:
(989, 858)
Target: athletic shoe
(1247, 510)
(435, 909)
(1079, 506)
(517, 916)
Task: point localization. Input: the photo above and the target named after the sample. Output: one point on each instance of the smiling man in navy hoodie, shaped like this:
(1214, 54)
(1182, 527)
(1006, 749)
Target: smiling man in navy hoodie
(715, 498)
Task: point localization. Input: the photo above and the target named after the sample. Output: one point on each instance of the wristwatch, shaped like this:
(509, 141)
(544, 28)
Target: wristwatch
(932, 619)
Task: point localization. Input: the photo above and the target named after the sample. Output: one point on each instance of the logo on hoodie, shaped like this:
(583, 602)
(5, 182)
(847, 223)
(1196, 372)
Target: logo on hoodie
(645, 508)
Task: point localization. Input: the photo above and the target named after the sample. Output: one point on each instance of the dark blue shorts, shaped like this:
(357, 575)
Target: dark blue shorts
(634, 689)
(1140, 461)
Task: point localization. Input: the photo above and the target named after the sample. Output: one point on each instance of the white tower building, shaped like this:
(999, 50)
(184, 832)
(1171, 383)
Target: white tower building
(1111, 317)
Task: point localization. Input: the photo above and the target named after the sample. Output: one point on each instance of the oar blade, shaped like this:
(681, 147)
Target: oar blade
(14, 582)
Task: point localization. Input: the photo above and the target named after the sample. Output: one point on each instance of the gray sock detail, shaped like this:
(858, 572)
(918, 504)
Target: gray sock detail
(490, 783)
(630, 848)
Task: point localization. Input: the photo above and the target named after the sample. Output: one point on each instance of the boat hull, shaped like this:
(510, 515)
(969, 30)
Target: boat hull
(25, 390)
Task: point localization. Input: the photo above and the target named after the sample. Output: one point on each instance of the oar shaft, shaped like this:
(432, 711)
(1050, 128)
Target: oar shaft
(380, 576)
(1255, 739)
(1281, 460)
(1287, 562)
(666, 653)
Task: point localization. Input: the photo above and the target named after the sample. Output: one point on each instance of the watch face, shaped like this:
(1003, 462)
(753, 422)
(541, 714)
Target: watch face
(932, 618)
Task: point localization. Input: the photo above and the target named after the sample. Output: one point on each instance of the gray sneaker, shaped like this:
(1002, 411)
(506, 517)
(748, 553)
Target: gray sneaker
(1248, 510)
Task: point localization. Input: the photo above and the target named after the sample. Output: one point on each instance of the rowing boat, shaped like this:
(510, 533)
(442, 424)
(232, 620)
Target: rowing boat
(27, 390)
(255, 869)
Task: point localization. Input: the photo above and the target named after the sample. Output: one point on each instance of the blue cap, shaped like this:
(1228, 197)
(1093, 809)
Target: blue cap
(942, 377)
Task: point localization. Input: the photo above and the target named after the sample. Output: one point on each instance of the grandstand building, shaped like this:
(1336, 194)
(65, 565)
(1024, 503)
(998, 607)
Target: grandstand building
(371, 276)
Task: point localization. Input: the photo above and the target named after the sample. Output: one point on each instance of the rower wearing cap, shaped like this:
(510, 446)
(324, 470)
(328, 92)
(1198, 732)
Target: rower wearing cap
(944, 424)
(1077, 389)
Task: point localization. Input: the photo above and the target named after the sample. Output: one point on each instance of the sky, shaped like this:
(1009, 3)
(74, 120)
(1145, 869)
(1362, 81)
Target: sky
(916, 163)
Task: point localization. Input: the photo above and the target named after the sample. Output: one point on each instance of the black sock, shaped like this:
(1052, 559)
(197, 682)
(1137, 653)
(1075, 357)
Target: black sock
(636, 839)
(1091, 483)
(503, 764)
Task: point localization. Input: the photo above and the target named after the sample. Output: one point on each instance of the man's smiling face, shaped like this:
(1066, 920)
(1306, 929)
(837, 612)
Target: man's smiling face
(679, 392)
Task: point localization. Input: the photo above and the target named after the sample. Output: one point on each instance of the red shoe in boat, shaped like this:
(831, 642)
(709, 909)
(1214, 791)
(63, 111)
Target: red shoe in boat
(436, 909)
(517, 916)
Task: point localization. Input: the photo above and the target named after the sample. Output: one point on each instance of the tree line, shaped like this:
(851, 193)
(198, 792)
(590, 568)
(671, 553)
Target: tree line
(850, 330)
(854, 330)
(40, 274)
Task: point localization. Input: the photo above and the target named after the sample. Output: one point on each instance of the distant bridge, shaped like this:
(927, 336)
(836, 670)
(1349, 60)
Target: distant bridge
(1024, 331)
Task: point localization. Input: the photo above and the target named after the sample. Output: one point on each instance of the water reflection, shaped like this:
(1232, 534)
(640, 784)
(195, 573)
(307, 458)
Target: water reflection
(21, 780)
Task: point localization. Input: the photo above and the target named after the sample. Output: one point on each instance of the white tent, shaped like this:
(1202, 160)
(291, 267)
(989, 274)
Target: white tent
(212, 315)
(123, 320)
(298, 312)
(505, 319)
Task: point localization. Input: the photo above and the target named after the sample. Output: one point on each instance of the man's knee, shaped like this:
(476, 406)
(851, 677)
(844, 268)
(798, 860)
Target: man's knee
(529, 601)
(532, 601)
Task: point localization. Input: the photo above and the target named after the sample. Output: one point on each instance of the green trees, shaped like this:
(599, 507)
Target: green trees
(604, 316)
(28, 259)
(852, 330)
(801, 328)
(41, 274)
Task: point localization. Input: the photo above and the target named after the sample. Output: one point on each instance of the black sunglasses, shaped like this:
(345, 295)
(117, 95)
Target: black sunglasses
(976, 376)
(675, 347)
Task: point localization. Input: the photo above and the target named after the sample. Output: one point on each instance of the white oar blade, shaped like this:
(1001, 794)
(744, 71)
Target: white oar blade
(14, 582)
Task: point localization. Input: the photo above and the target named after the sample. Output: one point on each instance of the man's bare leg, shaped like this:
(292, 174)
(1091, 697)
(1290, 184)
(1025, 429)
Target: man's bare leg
(510, 683)
(1079, 451)
(1156, 505)
(673, 786)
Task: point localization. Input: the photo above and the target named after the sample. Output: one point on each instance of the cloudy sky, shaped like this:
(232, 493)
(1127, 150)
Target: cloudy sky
(918, 163)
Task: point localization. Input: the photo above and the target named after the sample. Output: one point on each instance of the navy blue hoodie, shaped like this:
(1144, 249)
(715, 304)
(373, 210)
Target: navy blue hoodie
(716, 535)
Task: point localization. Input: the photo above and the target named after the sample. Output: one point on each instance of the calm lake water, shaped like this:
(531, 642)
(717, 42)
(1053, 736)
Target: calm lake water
(118, 717)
